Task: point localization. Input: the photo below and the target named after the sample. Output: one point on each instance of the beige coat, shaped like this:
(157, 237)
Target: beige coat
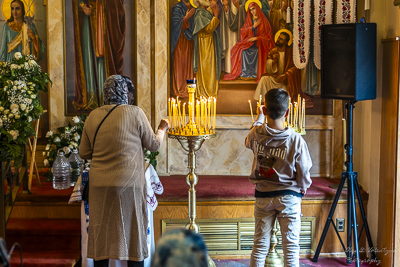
(117, 191)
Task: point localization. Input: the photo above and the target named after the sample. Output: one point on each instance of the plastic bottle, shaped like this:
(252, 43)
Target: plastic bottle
(61, 172)
(77, 165)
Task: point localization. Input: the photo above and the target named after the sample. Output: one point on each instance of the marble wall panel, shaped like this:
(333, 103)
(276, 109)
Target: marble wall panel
(161, 74)
(225, 154)
(143, 28)
(55, 58)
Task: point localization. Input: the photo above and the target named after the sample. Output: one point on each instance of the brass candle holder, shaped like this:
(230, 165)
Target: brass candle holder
(274, 259)
(191, 144)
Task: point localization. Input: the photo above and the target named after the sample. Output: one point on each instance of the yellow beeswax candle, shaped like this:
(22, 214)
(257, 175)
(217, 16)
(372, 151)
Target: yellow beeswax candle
(169, 109)
(209, 113)
(304, 115)
(179, 114)
(184, 114)
(197, 113)
(251, 112)
(215, 111)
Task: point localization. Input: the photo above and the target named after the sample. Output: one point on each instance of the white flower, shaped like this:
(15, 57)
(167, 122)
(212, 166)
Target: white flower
(146, 160)
(46, 162)
(76, 138)
(6, 111)
(22, 106)
(33, 96)
(71, 146)
(16, 82)
(32, 62)
(44, 153)
(17, 117)
(76, 119)
(57, 140)
(28, 100)
(66, 150)
(14, 134)
(148, 153)
(26, 66)
(29, 118)
(19, 87)
(18, 55)
(47, 147)
(11, 115)
(1, 109)
(49, 133)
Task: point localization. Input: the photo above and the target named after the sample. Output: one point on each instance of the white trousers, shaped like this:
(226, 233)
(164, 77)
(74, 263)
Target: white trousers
(287, 209)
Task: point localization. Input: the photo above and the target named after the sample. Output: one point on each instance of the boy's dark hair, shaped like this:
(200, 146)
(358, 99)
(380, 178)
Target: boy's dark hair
(276, 103)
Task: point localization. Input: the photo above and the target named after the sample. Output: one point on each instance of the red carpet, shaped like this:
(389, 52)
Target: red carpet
(225, 188)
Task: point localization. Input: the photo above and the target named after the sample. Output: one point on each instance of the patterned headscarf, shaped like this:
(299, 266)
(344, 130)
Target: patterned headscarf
(118, 89)
(180, 248)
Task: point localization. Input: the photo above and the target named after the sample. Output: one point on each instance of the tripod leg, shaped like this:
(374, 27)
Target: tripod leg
(328, 220)
(349, 252)
(364, 216)
(354, 221)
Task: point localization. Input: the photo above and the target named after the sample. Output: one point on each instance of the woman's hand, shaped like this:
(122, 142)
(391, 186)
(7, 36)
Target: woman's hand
(164, 125)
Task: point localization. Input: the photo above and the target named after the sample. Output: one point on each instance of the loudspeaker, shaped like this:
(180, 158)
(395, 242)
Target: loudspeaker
(348, 61)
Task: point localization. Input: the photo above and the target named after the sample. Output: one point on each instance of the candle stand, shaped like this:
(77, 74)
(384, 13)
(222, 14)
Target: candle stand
(191, 144)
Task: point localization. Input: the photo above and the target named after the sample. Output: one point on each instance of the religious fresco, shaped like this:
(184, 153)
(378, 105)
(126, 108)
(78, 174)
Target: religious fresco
(246, 45)
(23, 29)
(22, 22)
(99, 43)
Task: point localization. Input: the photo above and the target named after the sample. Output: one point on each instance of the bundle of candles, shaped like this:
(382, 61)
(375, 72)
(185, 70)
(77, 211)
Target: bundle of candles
(200, 116)
(296, 118)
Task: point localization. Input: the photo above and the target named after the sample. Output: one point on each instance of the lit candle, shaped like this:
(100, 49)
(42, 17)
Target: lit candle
(198, 113)
(203, 113)
(251, 112)
(290, 114)
(180, 122)
(304, 115)
(295, 115)
(169, 109)
(172, 111)
(184, 114)
(215, 111)
(209, 113)
(259, 101)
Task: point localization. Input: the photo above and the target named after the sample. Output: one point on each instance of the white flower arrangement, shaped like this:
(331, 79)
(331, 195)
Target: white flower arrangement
(66, 138)
(19, 81)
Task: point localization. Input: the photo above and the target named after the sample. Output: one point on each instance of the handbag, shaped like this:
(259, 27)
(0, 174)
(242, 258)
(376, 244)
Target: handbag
(85, 193)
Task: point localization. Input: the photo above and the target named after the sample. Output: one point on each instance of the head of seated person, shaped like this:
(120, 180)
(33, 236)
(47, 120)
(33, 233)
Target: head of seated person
(180, 248)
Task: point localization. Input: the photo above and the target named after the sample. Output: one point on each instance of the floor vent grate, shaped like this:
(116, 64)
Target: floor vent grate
(235, 236)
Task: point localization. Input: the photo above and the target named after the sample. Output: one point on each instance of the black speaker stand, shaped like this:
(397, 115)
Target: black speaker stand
(351, 177)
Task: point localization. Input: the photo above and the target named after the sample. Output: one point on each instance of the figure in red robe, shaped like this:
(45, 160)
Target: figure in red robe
(249, 55)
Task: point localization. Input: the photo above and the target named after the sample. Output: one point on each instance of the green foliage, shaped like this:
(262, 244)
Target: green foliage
(151, 157)
(21, 82)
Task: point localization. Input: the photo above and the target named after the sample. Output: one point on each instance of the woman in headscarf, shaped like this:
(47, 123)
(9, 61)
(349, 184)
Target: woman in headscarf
(249, 55)
(117, 188)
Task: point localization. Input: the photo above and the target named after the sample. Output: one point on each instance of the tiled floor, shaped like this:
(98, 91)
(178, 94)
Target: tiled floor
(322, 262)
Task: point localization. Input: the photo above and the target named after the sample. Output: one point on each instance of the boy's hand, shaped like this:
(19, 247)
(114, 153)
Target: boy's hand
(260, 110)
